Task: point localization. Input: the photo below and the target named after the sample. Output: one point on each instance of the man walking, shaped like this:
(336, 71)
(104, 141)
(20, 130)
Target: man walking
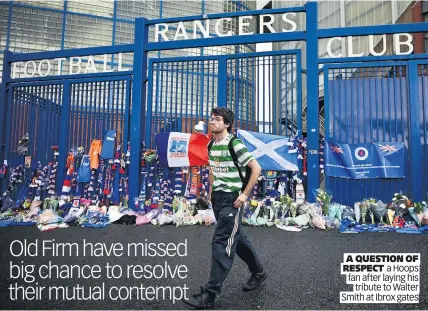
(233, 174)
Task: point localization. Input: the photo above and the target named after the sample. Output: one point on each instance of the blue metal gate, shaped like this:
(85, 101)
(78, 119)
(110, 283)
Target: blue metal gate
(375, 102)
(65, 113)
(172, 94)
(183, 90)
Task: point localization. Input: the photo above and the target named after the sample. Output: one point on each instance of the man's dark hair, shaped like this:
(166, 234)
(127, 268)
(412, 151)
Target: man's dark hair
(226, 113)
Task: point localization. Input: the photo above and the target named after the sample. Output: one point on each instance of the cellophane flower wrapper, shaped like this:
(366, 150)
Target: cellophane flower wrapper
(333, 210)
(371, 216)
(303, 209)
(329, 223)
(379, 210)
(357, 211)
(300, 221)
(363, 208)
(390, 214)
(318, 222)
(293, 209)
(209, 217)
(413, 215)
(276, 208)
(285, 209)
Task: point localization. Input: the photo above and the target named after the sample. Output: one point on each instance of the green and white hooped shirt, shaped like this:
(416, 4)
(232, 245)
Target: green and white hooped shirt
(225, 173)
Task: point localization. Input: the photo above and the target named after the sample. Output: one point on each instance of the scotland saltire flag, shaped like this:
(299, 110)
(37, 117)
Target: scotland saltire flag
(358, 161)
(177, 149)
(271, 151)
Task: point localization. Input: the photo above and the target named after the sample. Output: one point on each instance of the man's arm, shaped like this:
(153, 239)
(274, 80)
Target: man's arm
(255, 173)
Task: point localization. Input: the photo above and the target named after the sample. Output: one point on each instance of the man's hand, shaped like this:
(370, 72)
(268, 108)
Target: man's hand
(240, 200)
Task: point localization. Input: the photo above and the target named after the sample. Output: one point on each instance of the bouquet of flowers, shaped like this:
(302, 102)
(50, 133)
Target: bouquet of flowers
(324, 199)
(363, 209)
(378, 210)
(293, 209)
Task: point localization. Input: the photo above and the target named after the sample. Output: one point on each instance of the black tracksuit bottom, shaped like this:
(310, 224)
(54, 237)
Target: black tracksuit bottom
(228, 239)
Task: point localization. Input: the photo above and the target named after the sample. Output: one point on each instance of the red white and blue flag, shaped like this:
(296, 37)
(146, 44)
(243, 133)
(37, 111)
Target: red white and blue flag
(177, 149)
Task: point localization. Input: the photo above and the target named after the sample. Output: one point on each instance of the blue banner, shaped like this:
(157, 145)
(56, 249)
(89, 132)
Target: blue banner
(358, 161)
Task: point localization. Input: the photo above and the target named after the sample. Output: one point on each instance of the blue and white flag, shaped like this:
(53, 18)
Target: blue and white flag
(271, 151)
(358, 161)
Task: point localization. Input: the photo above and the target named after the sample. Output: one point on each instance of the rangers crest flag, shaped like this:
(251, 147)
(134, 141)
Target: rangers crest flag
(177, 149)
(358, 161)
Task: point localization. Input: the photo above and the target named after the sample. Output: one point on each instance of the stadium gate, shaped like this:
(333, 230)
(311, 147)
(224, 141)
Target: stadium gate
(163, 94)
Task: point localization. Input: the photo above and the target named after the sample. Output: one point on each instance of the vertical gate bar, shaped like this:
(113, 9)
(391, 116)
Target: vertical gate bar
(299, 91)
(126, 116)
(294, 112)
(263, 92)
(170, 67)
(116, 102)
(72, 119)
(109, 91)
(97, 132)
(32, 116)
(54, 116)
(424, 106)
(88, 97)
(250, 86)
(326, 120)
(20, 115)
(312, 98)
(424, 103)
(47, 130)
(160, 115)
(258, 118)
(150, 104)
(122, 113)
(90, 91)
(158, 90)
(100, 95)
(236, 76)
(206, 107)
(187, 101)
(177, 75)
(269, 96)
(75, 111)
(6, 94)
(15, 107)
(63, 140)
(116, 105)
(80, 93)
(194, 102)
(9, 123)
(182, 91)
(276, 105)
(82, 101)
(405, 116)
(415, 140)
(138, 104)
(229, 81)
(42, 124)
(284, 60)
